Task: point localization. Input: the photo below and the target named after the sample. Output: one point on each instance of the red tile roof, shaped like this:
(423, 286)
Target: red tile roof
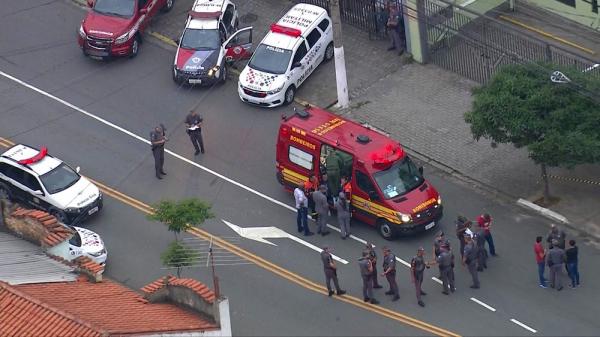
(116, 308)
(23, 315)
(198, 287)
(55, 231)
(86, 263)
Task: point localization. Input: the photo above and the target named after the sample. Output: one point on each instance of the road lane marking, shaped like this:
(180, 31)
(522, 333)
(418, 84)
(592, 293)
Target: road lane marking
(523, 325)
(490, 308)
(437, 280)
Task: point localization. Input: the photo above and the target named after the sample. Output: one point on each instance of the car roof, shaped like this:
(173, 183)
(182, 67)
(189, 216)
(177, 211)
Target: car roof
(302, 17)
(208, 7)
(20, 152)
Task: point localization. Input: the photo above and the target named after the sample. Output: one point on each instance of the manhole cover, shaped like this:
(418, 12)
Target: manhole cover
(248, 18)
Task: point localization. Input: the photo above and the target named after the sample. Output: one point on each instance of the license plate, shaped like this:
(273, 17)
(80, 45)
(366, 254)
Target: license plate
(194, 81)
(429, 225)
(98, 53)
(93, 210)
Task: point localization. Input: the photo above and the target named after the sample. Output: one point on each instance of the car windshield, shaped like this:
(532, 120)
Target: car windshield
(270, 59)
(75, 240)
(124, 8)
(201, 39)
(399, 179)
(59, 179)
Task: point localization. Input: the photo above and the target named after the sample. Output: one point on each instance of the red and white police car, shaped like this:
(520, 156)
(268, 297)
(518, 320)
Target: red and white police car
(209, 41)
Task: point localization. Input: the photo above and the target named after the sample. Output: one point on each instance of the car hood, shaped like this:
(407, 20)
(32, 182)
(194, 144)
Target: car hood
(105, 26)
(260, 81)
(416, 200)
(79, 195)
(90, 241)
(196, 60)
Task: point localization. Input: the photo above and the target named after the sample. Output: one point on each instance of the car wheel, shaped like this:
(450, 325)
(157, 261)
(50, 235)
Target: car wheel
(59, 215)
(385, 229)
(5, 192)
(175, 79)
(329, 52)
(290, 93)
(135, 46)
(168, 6)
(223, 73)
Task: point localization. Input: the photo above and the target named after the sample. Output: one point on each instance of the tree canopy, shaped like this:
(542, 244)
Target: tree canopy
(182, 215)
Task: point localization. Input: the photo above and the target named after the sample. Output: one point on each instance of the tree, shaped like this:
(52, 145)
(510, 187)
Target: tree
(178, 256)
(559, 124)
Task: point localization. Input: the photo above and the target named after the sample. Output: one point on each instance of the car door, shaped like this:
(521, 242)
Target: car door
(364, 194)
(34, 189)
(298, 68)
(239, 45)
(316, 50)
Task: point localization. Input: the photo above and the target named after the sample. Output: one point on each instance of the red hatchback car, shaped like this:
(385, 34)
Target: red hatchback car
(115, 27)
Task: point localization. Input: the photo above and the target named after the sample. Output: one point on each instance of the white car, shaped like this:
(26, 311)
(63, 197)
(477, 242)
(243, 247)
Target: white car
(288, 54)
(87, 243)
(40, 181)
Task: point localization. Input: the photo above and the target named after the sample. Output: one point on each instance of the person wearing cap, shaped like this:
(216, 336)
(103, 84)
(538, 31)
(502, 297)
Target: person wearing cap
(373, 258)
(389, 271)
(558, 235)
(342, 207)
(366, 273)
(157, 141)
(322, 208)
(417, 268)
(330, 270)
(445, 262)
(440, 239)
(485, 222)
(470, 260)
(556, 263)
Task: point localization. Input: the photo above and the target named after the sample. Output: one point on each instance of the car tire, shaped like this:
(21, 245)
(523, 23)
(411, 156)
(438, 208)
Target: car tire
(174, 75)
(59, 215)
(329, 52)
(5, 192)
(135, 46)
(386, 229)
(168, 6)
(223, 73)
(290, 94)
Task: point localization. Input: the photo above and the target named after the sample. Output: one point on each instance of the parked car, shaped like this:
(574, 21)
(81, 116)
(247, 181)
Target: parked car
(85, 242)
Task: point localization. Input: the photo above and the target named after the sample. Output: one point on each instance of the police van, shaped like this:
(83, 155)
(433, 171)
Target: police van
(288, 54)
(209, 41)
(40, 181)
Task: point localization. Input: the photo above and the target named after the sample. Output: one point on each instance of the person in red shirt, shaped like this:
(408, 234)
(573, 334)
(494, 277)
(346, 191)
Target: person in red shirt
(485, 222)
(540, 258)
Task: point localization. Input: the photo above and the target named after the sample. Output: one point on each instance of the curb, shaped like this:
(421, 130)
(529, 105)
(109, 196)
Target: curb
(543, 211)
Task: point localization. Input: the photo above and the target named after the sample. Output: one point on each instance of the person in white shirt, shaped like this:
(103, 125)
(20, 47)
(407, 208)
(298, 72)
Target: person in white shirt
(302, 208)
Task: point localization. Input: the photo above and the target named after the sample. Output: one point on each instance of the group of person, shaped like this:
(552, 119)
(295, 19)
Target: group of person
(390, 20)
(558, 258)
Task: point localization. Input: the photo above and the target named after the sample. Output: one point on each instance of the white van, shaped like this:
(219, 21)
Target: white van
(289, 53)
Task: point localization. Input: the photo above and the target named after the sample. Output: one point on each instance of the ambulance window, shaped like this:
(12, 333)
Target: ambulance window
(300, 53)
(313, 38)
(364, 183)
(228, 15)
(301, 158)
(324, 24)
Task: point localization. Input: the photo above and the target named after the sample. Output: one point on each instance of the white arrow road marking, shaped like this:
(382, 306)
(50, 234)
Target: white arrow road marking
(260, 233)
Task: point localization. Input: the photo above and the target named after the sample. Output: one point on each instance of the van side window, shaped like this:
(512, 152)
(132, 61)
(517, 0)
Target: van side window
(301, 158)
(313, 38)
(324, 24)
(300, 53)
(364, 183)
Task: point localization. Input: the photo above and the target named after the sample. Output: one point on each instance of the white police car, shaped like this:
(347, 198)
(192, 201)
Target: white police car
(85, 242)
(38, 180)
(289, 53)
(210, 39)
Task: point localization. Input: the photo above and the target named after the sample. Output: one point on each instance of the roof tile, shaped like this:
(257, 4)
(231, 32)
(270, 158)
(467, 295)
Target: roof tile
(198, 287)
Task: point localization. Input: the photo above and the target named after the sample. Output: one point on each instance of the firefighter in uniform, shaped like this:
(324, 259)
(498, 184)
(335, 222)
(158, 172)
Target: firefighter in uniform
(417, 268)
(193, 121)
(157, 141)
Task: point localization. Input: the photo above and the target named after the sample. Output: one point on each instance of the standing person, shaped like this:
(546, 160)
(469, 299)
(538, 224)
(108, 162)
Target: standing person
(395, 25)
(322, 208)
(330, 272)
(572, 261)
(461, 227)
(558, 235)
(540, 259)
(481, 252)
(556, 261)
(470, 260)
(302, 210)
(389, 271)
(333, 164)
(445, 262)
(346, 187)
(343, 214)
(417, 268)
(373, 258)
(366, 272)
(193, 121)
(158, 139)
(485, 222)
(309, 187)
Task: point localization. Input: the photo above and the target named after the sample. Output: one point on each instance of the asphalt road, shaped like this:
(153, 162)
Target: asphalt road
(137, 94)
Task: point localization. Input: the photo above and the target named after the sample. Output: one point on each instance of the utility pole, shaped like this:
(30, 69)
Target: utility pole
(338, 51)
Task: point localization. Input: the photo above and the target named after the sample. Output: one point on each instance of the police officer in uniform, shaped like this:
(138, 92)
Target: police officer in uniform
(556, 260)
(157, 140)
(389, 271)
(445, 262)
(481, 251)
(417, 268)
(366, 272)
(470, 260)
(373, 258)
(193, 121)
(330, 271)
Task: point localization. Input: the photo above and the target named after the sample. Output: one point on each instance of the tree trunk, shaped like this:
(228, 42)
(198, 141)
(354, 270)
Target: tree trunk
(546, 185)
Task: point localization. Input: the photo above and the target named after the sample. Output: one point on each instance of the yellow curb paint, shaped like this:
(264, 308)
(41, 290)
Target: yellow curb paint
(164, 39)
(546, 34)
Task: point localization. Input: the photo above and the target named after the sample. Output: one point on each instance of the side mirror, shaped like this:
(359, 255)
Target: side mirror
(373, 195)
(421, 170)
(143, 10)
(296, 65)
(38, 192)
(90, 3)
(77, 169)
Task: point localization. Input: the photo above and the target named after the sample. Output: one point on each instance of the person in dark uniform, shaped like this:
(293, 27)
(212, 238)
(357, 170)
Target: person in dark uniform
(158, 139)
(330, 271)
(440, 239)
(417, 268)
(193, 121)
(445, 262)
(470, 260)
(389, 271)
(482, 255)
(366, 272)
(373, 258)
(461, 227)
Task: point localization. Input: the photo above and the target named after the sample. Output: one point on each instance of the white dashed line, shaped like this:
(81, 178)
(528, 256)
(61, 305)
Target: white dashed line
(437, 280)
(522, 325)
(483, 304)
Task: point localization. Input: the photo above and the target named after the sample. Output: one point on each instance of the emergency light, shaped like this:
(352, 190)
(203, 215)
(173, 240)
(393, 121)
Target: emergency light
(387, 155)
(204, 15)
(39, 156)
(293, 32)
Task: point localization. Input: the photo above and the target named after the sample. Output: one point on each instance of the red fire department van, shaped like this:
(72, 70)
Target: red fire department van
(388, 189)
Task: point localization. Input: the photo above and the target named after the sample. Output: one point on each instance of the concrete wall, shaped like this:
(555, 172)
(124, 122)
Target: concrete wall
(581, 12)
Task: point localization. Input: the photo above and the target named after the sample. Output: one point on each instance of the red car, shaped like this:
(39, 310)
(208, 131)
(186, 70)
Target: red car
(115, 27)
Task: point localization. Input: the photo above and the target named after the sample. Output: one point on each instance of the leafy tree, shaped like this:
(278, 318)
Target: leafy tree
(558, 123)
(178, 256)
(181, 216)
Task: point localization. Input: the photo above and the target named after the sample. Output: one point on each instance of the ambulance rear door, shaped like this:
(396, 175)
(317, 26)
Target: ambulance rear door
(302, 158)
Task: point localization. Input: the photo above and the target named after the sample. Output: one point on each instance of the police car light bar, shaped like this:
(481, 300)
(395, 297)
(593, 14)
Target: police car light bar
(275, 28)
(43, 152)
(204, 15)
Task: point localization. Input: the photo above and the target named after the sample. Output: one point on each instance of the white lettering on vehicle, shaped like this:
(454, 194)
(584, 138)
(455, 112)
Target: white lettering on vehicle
(275, 49)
